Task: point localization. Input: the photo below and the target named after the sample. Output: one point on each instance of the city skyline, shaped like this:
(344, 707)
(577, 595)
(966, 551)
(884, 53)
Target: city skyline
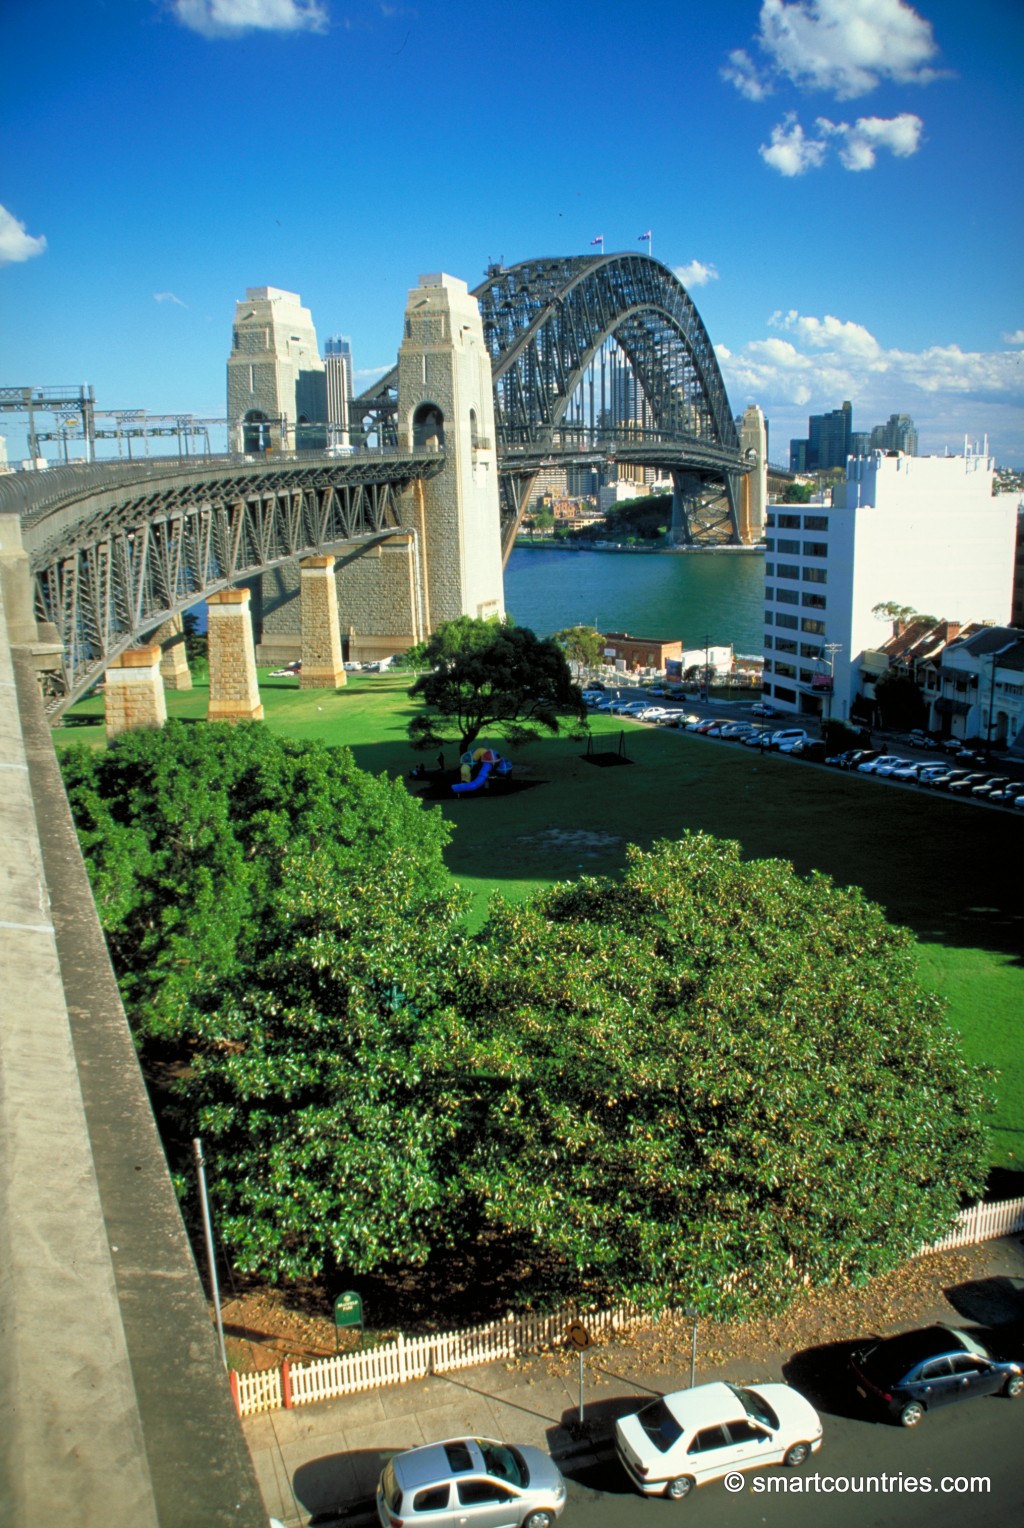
(832, 180)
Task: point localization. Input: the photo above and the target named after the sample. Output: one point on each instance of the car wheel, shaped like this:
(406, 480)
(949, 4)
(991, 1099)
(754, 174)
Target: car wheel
(911, 1414)
(1014, 1385)
(797, 1455)
(680, 1487)
(539, 1519)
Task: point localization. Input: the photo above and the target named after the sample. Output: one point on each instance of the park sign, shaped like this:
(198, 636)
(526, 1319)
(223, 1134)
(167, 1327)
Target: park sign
(348, 1309)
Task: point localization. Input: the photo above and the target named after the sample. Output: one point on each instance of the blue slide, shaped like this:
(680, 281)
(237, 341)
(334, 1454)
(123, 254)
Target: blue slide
(475, 784)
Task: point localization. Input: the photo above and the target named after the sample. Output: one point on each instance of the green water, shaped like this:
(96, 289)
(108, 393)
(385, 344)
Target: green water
(691, 597)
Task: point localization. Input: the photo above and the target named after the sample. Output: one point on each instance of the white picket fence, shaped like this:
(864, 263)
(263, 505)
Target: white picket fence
(296, 1384)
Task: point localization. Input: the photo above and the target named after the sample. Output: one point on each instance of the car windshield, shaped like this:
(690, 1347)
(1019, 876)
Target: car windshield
(504, 1463)
(970, 1344)
(660, 1425)
(756, 1406)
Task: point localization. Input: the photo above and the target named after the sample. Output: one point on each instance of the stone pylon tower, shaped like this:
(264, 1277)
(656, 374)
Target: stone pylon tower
(446, 403)
(277, 392)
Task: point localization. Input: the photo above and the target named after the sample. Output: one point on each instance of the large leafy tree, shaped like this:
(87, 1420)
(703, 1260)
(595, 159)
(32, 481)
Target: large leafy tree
(499, 677)
(277, 918)
(582, 645)
(711, 1082)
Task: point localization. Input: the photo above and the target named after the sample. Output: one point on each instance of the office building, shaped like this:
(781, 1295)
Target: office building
(338, 378)
(899, 433)
(277, 397)
(923, 532)
(827, 444)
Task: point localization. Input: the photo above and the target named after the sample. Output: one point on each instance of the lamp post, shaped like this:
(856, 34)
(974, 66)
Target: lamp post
(694, 1316)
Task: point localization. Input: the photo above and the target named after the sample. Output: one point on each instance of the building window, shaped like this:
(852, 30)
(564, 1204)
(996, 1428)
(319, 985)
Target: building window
(769, 570)
(814, 601)
(770, 521)
(786, 645)
(815, 576)
(788, 570)
(793, 547)
(789, 522)
(816, 628)
(806, 676)
(790, 597)
(769, 592)
(815, 548)
(767, 665)
(789, 621)
(786, 670)
(768, 618)
(768, 642)
(782, 692)
(815, 522)
(769, 545)
(808, 650)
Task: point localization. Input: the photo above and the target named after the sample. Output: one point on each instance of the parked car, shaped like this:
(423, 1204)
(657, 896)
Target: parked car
(440, 1483)
(884, 768)
(761, 709)
(928, 774)
(915, 1372)
(1007, 796)
(871, 766)
(812, 751)
(994, 784)
(290, 671)
(787, 735)
(692, 1436)
(758, 737)
(943, 781)
(908, 771)
(919, 739)
(965, 785)
(855, 757)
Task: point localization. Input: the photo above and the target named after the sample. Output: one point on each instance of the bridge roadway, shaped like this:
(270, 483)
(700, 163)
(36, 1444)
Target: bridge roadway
(114, 1406)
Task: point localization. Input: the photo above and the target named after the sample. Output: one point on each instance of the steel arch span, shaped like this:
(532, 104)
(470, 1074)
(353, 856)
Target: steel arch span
(545, 322)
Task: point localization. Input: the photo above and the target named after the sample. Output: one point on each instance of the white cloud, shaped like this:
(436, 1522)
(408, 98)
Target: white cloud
(791, 152)
(1016, 338)
(15, 244)
(813, 363)
(695, 274)
(169, 297)
(859, 144)
(844, 47)
(230, 18)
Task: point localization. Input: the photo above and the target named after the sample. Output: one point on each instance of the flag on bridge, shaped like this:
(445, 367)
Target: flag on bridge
(599, 240)
(646, 235)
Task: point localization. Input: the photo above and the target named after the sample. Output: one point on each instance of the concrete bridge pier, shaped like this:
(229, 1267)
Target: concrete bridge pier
(234, 691)
(174, 667)
(133, 692)
(322, 666)
(686, 488)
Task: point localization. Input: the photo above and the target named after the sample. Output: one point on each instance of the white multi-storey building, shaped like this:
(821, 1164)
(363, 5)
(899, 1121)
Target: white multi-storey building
(923, 532)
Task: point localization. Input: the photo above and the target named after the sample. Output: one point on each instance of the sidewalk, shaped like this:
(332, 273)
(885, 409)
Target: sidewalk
(319, 1464)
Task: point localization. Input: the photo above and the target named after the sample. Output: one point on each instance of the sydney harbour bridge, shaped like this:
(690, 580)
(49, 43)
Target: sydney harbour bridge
(595, 360)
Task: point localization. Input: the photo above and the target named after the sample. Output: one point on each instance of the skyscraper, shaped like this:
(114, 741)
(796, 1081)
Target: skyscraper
(827, 444)
(338, 368)
(897, 434)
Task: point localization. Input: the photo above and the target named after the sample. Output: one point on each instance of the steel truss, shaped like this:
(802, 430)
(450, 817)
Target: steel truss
(114, 558)
(544, 322)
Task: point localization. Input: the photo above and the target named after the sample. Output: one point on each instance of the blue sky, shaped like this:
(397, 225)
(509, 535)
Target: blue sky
(837, 182)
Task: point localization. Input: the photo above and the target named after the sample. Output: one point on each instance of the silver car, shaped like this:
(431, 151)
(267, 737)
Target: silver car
(467, 1481)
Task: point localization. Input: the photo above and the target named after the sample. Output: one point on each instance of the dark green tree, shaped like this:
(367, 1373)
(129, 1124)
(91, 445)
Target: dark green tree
(516, 683)
(581, 644)
(711, 1082)
(899, 700)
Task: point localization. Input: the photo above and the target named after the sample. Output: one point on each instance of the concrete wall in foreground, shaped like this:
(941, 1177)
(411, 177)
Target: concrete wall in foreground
(114, 1405)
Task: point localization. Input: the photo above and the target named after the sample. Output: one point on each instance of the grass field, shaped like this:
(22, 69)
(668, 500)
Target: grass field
(948, 871)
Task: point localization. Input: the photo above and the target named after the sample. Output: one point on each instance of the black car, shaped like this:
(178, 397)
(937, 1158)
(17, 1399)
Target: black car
(915, 1372)
(854, 757)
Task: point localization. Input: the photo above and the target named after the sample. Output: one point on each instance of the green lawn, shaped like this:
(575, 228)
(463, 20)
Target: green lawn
(949, 871)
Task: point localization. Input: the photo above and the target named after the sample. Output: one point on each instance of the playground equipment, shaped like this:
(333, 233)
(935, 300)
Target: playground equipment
(477, 766)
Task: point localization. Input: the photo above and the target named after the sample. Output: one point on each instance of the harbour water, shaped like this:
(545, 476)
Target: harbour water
(694, 597)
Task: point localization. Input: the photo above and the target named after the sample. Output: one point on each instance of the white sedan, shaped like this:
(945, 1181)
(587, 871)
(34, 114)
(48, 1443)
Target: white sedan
(692, 1436)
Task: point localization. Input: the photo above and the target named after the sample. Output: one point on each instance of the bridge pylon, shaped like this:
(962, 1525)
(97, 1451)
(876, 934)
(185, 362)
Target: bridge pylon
(446, 403)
